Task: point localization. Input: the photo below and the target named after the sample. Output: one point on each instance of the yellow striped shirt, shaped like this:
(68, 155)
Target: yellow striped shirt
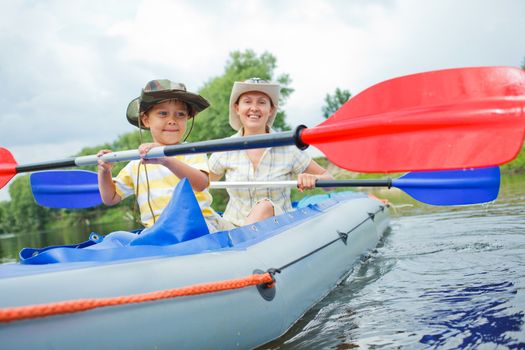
(162, 182)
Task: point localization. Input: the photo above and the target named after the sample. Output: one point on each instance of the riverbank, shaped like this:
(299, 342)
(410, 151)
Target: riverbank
(517, 166)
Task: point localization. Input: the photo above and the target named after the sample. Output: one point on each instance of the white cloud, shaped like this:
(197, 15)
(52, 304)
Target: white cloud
(41, 152)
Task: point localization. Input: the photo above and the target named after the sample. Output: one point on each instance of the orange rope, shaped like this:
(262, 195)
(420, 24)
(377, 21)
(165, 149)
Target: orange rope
(72, 306)
(382, 200)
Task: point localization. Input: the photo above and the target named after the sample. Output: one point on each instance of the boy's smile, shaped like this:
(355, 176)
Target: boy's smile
(167, 121)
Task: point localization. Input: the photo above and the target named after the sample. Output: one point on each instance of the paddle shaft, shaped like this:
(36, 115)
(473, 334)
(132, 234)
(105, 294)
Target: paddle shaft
(93, 187)
(228, 144)
(402, 183)
(388, 182)
(293, 183)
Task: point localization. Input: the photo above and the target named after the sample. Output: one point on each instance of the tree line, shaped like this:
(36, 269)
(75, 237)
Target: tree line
(21, 213)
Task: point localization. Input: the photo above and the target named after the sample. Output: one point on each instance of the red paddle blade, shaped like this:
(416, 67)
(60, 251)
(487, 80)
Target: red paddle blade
(447, 119)
(7, 166)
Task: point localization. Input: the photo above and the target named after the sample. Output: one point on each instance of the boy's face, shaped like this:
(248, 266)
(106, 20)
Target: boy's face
(167, 122)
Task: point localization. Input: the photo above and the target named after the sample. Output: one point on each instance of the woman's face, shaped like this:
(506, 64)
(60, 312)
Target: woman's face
(254, 109)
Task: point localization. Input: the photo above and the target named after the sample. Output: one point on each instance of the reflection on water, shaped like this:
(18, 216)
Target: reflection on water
(11, 244)
(476, 315)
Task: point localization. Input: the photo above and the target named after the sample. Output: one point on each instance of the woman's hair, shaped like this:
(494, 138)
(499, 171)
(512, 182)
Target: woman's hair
(237, 102)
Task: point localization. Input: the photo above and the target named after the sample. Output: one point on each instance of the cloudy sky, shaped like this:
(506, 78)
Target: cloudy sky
(69, 68)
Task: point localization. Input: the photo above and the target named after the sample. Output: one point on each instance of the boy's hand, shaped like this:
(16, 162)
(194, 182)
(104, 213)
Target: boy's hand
(145, 148)
(104, 167)
(306, 181)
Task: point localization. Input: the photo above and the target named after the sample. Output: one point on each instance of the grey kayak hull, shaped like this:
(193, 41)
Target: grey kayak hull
(239, 318)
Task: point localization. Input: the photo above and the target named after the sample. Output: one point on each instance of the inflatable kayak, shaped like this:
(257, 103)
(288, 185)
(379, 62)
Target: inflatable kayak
(234, 289)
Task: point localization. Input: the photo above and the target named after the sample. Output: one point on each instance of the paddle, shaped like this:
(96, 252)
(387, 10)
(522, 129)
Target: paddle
(79, 188)
(447, 119)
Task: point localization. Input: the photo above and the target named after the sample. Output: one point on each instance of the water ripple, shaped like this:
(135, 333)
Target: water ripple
(440, 279)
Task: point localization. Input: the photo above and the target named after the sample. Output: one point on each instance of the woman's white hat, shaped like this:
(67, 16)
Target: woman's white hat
(253, 84)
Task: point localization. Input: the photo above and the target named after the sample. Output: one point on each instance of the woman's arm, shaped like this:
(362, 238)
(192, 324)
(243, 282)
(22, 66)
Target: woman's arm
(214, 177)
(311, 174)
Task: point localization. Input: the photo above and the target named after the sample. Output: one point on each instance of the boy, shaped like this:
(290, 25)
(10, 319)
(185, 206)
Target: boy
(164, 107)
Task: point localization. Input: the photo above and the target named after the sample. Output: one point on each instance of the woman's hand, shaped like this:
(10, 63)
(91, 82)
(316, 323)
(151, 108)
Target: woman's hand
(306, 181)
(103, 166)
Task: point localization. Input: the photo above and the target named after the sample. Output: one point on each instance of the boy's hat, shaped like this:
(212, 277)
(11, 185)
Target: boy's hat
(160, 90)
(272, 90)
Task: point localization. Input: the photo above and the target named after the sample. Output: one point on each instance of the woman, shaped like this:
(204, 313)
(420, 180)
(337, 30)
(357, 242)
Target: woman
(253, 107)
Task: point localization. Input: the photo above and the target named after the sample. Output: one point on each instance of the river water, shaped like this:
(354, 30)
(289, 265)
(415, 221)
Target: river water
(441, 278)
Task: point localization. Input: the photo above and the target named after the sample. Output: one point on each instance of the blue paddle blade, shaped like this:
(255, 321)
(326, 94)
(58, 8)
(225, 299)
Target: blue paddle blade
(452, 187)
(66, 189)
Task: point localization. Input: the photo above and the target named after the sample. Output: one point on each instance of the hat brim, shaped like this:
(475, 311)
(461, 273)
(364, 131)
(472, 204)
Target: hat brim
(239, 88)
(197, 102)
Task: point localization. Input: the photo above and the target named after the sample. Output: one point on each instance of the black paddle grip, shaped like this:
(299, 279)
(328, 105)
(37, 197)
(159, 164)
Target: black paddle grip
(297, 138)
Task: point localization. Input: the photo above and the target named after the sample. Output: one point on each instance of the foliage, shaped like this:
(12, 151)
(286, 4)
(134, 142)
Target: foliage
(517, 165)
(213, 122)
(5, 217)
(22, 213)
(335, 101)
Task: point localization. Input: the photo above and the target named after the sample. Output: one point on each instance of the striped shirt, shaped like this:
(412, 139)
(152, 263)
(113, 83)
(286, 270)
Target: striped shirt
(162, 182)
(277, 163)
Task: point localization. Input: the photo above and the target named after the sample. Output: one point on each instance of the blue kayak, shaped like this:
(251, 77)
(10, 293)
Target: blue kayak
(307, 251)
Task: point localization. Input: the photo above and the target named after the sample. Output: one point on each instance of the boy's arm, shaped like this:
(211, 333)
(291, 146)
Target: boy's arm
(106, 186)
(198, 179)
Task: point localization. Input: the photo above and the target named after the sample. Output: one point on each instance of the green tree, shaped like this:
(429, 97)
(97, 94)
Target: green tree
(517, 165)
(335, 101)
(6, 219)
(213, 122)
(26, 214)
